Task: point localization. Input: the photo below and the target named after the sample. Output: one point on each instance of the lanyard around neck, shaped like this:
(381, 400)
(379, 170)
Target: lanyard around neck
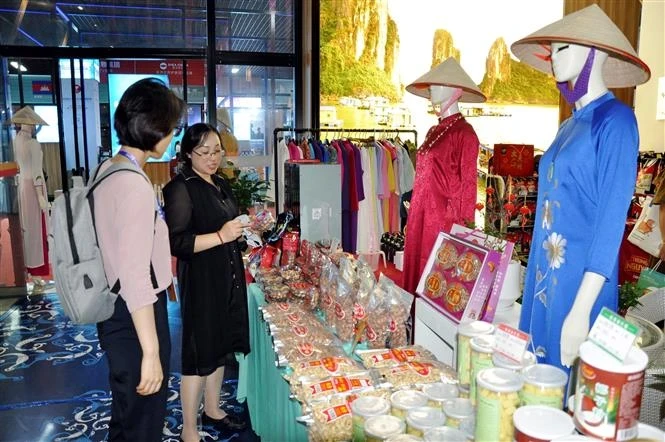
(130, 157)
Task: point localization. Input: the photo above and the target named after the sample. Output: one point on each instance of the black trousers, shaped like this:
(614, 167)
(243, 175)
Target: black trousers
(134, 417)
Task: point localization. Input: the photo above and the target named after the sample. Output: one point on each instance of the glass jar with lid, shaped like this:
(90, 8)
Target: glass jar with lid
(498, 398)
(439, 392)
(465, 331)
(420, 419)
(438, 434)
(381, 428)
(544, 385)
(363, 408)
(482, 349)
(502, 361)
(403, 400)
(460, 414)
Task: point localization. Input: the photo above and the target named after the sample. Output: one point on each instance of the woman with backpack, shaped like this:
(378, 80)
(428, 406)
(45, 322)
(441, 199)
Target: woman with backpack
(133, 239)
(202, 216)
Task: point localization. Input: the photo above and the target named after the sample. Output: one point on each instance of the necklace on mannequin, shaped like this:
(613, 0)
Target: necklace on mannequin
(424, 149)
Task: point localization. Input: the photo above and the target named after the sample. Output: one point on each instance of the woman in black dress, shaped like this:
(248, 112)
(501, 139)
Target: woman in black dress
(203, 228)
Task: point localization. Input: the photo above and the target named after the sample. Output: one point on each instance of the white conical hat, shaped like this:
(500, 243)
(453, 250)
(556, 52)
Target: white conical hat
(587, 27)
(448, 73)
(224, 117)
(27, 116)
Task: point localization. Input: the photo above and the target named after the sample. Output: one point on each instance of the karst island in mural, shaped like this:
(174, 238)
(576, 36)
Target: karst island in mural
(371, 49)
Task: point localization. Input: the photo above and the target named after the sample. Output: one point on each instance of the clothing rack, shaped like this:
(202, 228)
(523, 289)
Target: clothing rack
(328, 130)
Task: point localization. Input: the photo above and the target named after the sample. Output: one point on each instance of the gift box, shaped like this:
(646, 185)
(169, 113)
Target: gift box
(458, 277)
(504, 248)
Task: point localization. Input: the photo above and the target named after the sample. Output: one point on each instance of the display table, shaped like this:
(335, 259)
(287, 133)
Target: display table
(260, 382)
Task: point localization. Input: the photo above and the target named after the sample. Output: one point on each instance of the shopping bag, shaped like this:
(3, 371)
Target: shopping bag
(646, 232)
(513, 160)
(651, 279)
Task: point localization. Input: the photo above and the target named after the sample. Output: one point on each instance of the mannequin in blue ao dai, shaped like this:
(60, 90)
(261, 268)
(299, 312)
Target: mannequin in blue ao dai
(586, 182)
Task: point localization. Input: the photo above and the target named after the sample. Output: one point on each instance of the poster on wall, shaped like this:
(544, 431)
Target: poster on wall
(118, 84)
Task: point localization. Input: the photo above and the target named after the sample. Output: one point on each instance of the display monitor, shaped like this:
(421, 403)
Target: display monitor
(118, 84)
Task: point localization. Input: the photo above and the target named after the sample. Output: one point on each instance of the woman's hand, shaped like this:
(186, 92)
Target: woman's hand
(151, 375)
(232, 230)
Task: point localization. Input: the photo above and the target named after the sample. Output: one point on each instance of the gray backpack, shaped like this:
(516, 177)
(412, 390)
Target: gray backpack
(80, 280)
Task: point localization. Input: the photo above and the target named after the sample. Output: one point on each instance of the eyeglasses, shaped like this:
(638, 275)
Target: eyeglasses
(178, 130)
(214, 154)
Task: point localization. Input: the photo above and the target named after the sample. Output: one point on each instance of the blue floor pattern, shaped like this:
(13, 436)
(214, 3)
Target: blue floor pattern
(54, 379)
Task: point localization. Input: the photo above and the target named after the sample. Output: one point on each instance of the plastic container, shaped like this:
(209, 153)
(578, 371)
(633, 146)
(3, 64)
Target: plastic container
(363, 408)
(544, 385)
(403, 400)
(498, 397)
(404, 438)
(609, 393)
(464, 392)
(540, 423)
(482, 349)
(373, 258)
(380, 428)
(438, 392)
(502, 361)
(460, 414)
(465, 331)
(444, 434)
(420, 419)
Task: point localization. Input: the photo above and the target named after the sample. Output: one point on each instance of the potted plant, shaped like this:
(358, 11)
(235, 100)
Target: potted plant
(629, 296)
(246, 189)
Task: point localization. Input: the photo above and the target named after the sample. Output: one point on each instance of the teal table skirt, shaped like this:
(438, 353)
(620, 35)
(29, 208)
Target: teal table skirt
(260, 382)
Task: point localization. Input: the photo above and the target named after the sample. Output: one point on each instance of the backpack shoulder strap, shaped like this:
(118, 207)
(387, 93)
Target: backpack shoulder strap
(96, 179)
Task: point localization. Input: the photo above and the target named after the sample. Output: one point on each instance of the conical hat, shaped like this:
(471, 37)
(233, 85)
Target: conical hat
(224, 117)
(587, 27)
(448, 73)
(27, 116)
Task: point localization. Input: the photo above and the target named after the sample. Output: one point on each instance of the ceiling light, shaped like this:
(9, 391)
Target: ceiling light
(79, 7)
(15, 65)
(235, 70)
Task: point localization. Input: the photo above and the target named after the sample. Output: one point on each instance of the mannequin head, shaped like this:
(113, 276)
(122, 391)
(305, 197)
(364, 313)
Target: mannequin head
(27, 128)
(581, 68)
(445, 98)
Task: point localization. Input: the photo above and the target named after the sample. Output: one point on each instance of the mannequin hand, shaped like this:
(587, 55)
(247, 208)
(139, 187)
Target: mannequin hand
(43, 204)
(574, 331)
(232, 230)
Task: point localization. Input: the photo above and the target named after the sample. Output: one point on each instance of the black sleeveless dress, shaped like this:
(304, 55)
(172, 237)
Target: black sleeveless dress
(212, 283)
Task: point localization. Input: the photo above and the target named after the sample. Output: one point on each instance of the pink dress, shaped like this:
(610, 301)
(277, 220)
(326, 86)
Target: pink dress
(444, 191)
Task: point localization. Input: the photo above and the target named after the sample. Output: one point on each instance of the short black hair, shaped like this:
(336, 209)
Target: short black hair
(147, 112)
(193, 137)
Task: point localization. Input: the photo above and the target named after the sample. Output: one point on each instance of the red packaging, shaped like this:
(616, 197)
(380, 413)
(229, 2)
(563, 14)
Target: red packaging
(268, 257)
(290, 243)
(632, 260)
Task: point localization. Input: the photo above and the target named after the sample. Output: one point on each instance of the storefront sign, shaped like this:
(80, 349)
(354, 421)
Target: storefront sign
(172, 68)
